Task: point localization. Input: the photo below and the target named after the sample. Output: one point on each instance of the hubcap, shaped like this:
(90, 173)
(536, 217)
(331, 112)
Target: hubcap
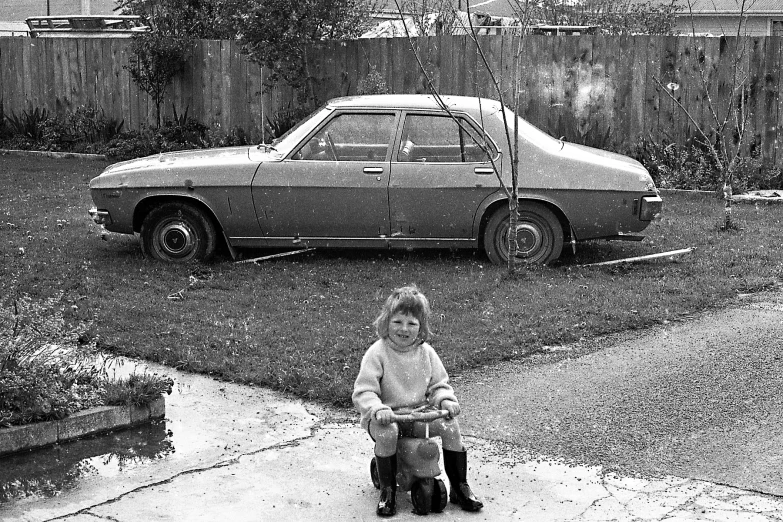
(177, 239)
(529, 239)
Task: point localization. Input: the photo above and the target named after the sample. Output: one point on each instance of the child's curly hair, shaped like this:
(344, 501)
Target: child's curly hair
(406, 300)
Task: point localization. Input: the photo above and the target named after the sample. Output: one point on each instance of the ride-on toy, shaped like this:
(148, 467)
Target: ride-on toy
(418, 465)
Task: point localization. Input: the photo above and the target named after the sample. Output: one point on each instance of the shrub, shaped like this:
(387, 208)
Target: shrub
(218, 137)
(45, 361)
(38, 392)
(49, 367)
(753, 173)
(91, 125)
(373, 83)
(29, 124)
(131, 144)
(284, 120)
(182, 129)
(582, 132)
(691, 166)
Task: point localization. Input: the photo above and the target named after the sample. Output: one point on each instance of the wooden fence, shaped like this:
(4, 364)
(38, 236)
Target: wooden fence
(565, 81)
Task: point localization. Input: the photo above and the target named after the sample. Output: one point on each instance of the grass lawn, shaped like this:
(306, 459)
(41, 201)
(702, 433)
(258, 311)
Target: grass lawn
(301, 323)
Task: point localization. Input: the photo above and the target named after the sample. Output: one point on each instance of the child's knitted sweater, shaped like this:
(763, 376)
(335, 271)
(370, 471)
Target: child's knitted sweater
(391, 379)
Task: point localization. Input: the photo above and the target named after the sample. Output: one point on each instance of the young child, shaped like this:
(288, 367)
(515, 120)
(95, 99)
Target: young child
(401, 370)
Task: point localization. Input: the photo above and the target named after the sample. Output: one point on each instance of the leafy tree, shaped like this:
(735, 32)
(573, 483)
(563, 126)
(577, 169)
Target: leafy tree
(160, 54)
(613, 16)
(157, 59)
(197, 19)
(276, 34)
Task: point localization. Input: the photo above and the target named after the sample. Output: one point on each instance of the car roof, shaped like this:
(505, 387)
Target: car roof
(411, 101)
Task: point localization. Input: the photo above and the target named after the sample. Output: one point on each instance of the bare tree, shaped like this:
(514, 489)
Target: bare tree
(725, 132)
(429, 16)
(512, 136)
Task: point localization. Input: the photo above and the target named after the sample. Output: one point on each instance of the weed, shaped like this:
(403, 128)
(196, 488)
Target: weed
(138, 389)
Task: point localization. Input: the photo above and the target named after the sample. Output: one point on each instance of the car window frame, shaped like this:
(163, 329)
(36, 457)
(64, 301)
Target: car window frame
(336, 113)
(478, 129)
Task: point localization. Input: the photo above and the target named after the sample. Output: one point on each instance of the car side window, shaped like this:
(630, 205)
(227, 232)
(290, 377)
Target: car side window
(350, 137)
(442, 139)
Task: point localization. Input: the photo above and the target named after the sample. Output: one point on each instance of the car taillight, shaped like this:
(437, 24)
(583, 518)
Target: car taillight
(101, 217)
(651, 208)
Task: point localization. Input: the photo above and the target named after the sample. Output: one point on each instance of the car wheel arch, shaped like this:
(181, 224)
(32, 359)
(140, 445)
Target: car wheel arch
(491, 207)
(145, 206)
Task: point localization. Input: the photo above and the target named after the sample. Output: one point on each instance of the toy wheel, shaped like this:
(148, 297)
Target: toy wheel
(421, 497)
(440, 496)
(374, 474)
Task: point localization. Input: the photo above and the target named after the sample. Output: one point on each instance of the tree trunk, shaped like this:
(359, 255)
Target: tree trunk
(727, 223)
(513, 221)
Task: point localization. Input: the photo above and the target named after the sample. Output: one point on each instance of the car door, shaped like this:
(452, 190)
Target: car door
(335, 184)
(439, 175)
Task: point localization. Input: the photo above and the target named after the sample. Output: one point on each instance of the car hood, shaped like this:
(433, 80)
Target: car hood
(194, 157)
(202, 166)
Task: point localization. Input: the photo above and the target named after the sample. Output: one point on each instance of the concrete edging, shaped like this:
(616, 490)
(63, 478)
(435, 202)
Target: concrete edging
(86, 422)
(756, 196)
(50, 154)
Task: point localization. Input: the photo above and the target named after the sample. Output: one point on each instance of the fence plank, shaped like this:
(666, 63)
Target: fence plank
(596, 78)
(773, 102)
(753, 138)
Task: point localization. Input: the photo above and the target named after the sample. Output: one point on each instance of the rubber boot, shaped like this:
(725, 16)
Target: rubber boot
(456, 464)
(387, 476)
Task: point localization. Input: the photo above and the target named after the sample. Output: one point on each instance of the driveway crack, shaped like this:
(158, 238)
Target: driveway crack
(221, 464)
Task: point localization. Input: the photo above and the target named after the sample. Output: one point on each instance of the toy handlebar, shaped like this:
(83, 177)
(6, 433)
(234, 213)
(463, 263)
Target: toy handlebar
(420, 416)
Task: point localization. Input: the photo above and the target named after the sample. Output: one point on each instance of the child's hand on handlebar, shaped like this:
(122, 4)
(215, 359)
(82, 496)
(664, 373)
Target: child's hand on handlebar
(451, 407)
(384, 416)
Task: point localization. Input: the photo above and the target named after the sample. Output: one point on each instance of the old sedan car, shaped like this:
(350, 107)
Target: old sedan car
(389, 171)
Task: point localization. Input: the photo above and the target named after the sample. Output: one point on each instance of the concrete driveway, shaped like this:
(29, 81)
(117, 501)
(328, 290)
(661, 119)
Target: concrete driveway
(236, 453)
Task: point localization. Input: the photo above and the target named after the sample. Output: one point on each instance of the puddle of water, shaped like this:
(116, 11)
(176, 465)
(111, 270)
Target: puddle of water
(53, 470)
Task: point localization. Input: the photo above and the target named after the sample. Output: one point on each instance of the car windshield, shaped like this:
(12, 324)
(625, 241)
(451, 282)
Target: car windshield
(295, 134)
(531, 133)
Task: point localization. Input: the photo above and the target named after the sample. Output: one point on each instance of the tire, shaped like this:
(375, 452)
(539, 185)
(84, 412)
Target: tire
(440, 496)
(539, 235)
(177, 232)
(374, 474)
(421, 498)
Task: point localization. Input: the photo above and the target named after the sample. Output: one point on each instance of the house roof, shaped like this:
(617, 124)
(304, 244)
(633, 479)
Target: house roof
(505, 7)
(756, 7)
(501, 8)
(14, 29)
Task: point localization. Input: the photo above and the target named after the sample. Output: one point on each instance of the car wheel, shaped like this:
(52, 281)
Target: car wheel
(539, 235)
(177, 233)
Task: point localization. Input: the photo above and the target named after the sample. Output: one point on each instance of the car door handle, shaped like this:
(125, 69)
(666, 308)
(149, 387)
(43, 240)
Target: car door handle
(484, 170)
(373, 170)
